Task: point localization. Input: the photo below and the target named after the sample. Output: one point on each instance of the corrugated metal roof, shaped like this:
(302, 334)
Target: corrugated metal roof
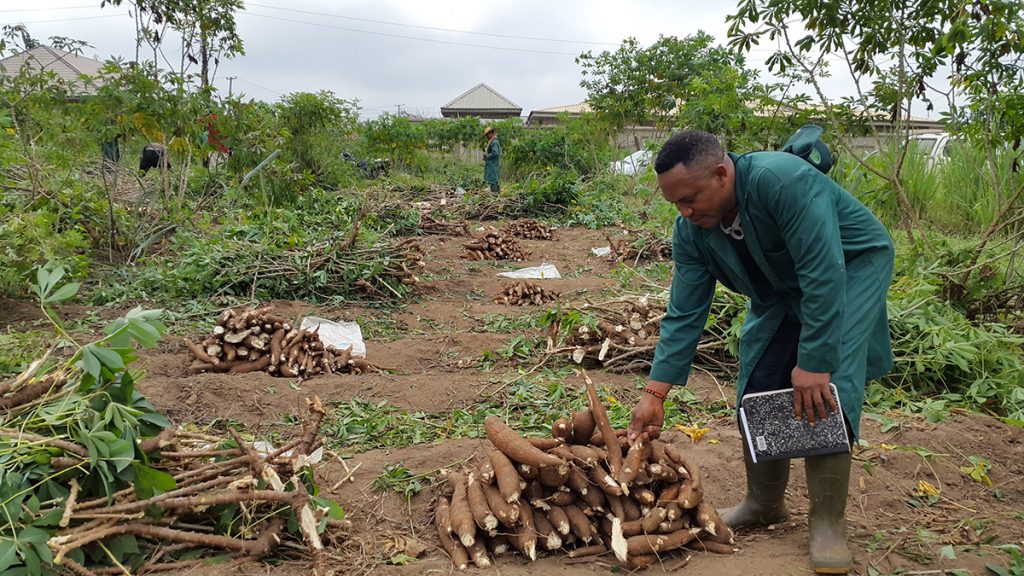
(482, 97)
(66, 65)
(570, 108)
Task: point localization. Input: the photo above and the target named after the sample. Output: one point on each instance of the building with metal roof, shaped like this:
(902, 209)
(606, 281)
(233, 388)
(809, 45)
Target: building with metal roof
(483, 102)
(70, 68)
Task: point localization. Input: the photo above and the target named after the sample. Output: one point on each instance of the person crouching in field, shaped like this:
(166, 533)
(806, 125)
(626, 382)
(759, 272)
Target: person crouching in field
(154, 155)
(816, 265)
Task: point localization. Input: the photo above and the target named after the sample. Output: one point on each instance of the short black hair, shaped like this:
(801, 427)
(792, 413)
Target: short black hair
(689, 148)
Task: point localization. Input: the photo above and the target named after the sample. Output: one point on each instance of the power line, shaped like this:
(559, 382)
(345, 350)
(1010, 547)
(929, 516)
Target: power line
(371, 20)
(390, 35)
(69, 19)
(49, 9)
(255, 85)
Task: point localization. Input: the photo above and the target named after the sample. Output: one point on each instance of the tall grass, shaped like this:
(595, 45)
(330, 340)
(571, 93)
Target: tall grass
(959, 195)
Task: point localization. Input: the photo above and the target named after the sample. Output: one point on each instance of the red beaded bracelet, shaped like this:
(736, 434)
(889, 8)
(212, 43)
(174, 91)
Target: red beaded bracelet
(656, 394)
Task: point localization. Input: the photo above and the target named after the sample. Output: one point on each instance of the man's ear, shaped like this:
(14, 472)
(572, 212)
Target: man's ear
(721, 172)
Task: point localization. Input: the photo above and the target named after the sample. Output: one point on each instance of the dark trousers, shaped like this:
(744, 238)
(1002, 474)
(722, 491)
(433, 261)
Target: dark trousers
(774, 370)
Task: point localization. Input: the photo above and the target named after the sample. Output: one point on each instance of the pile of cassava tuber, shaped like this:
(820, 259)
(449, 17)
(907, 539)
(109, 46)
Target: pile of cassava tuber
(430, 225)
(624, 333)
(495, 245)
(637, 245)
(522, 293)
(578, 494)
(528, 229)
(256, 339)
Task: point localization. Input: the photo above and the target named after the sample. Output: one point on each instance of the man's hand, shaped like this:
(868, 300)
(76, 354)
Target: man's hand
(811, 393)
(648, 414)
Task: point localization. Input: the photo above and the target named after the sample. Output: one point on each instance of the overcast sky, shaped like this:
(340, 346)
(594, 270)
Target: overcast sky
(413, 54)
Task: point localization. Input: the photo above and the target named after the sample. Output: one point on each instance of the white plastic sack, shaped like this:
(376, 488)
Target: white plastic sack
(264, 448)
(341, 335)
(602, 251)
(544, 271)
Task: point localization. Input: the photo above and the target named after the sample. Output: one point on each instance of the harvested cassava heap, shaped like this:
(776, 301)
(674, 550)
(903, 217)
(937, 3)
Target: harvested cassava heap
(521, 293)
(625, 334)
(635, 245)
(528, 229)
(431, 225)
(573, 495)
(495, 245)
(256, 339)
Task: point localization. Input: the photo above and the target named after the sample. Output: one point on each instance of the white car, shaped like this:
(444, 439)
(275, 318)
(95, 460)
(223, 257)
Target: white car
(935, 147)
(633, 164)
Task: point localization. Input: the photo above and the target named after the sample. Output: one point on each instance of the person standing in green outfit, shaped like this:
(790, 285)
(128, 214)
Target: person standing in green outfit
(492, 159)
(816, 265)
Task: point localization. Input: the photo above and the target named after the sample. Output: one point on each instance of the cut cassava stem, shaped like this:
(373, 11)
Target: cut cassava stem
(32, 392)
(159, 533)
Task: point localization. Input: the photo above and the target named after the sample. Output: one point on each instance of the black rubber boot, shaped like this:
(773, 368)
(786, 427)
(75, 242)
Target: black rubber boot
(765, 502)
(828, 480)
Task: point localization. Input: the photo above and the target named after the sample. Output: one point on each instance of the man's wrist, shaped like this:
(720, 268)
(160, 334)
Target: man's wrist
(659, 395)
(659, 390)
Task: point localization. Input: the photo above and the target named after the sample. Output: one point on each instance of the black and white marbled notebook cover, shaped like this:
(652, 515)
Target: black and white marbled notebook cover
(773, 433)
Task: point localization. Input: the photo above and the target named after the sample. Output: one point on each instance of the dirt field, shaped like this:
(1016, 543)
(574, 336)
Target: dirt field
(431, 352)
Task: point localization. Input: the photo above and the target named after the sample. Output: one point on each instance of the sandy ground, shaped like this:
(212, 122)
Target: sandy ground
(431, 366)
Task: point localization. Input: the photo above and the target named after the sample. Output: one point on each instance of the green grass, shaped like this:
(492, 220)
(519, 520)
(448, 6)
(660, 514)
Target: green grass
(530, 405)
(509, 323)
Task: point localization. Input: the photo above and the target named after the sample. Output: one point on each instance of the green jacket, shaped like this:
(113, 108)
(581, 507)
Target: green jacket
(826, 258)
(492, 162)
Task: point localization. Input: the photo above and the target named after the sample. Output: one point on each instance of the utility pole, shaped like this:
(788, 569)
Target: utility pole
(399, 107)
(231, 81)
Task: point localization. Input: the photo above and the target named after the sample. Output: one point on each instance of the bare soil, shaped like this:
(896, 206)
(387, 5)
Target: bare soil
(432, 360)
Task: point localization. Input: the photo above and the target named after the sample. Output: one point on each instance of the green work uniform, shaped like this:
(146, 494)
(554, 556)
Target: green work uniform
(827, 259)
(492, 161)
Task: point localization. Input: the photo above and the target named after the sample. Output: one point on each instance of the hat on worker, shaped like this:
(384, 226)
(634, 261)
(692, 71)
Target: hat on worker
(488, 130)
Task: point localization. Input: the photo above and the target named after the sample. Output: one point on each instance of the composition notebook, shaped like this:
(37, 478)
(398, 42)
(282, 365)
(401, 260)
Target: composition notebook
(773, 434)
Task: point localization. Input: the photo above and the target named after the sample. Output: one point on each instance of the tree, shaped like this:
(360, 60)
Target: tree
(687, 82)
(207, 28)
(893, 52)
